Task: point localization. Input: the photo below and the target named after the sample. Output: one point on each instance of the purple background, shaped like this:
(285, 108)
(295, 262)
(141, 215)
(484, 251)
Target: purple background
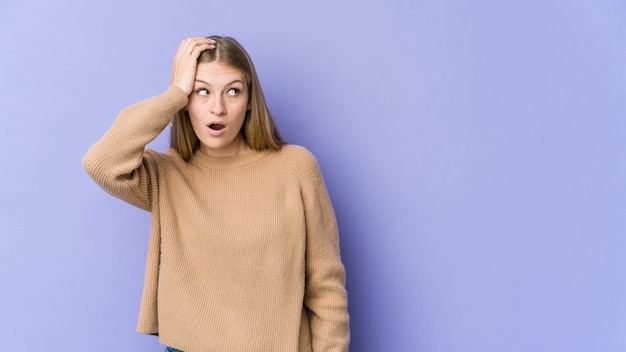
(474, 151)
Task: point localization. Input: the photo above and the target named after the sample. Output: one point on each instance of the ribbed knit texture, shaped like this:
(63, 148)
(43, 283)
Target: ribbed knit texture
(243, 252)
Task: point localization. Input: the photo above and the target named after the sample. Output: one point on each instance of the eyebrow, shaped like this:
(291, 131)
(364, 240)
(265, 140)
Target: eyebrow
(228, 84)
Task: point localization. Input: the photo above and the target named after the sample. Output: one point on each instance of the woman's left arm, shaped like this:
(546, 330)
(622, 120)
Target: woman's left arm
(325, 293)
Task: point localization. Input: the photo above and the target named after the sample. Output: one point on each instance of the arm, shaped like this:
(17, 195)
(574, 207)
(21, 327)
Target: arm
(117, 162)
(325, 294)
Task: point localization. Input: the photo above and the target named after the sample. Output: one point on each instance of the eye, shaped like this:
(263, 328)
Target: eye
(233, 92)
(202, 91)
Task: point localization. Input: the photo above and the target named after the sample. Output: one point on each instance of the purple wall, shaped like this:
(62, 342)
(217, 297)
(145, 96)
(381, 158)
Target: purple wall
(475, 152)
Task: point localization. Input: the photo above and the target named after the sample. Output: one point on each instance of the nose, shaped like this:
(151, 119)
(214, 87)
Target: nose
(218, 108)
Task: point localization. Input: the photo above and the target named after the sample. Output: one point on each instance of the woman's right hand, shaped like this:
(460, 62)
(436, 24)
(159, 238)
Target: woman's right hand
(186, 61)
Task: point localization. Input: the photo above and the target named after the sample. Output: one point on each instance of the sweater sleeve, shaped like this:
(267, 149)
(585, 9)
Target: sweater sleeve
(118, 162)
(325, 293)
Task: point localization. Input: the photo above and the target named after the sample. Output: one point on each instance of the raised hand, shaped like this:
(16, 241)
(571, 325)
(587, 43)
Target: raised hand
(186, 61)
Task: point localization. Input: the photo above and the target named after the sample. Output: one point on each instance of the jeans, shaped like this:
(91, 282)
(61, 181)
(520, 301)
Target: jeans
(169, 349)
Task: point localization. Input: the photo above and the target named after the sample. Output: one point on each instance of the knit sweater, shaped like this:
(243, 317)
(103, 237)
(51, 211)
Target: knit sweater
(243, 252)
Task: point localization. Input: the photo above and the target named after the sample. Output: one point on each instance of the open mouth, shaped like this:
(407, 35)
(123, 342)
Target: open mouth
(216, 126)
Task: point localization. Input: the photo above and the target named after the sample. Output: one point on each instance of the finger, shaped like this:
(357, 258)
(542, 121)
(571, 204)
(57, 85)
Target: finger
(188, 45)
(185, 61)
(197, 50)
(193, 53)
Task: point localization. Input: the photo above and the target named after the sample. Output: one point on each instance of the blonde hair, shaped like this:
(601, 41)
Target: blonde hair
(258, 130)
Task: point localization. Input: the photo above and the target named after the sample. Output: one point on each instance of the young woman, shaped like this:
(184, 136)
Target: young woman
(243, 252)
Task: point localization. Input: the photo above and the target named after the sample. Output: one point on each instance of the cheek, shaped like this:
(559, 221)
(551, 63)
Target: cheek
(193, 105)
(241, 106)
(195, 109)
(194, 116)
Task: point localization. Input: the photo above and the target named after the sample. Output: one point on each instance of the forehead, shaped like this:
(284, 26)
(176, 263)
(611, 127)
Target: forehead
(217, 73)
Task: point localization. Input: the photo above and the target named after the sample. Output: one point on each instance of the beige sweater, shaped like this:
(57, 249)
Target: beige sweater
(243, 252)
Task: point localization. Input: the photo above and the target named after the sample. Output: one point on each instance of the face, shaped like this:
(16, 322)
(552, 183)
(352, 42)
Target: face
(217, 109)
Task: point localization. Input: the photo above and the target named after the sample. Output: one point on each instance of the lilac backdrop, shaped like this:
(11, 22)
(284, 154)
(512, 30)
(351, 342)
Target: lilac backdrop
(474, 151)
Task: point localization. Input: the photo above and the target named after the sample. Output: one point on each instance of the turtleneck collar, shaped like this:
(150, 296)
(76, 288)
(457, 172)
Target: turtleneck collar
(202, 159)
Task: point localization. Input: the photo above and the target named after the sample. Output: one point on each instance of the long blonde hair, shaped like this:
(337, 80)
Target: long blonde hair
(258, 130)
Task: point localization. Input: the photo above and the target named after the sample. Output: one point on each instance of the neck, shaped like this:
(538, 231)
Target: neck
(237, 147)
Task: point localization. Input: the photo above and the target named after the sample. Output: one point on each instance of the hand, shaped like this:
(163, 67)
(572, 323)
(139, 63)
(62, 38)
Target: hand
(186, 61)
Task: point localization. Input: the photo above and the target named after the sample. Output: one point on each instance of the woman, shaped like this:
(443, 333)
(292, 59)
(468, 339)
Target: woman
(243, 252)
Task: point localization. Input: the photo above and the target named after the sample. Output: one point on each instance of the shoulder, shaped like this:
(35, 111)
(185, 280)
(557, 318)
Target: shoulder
(296, 154)
(167, 161)
(298, 157)
(298, 162)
